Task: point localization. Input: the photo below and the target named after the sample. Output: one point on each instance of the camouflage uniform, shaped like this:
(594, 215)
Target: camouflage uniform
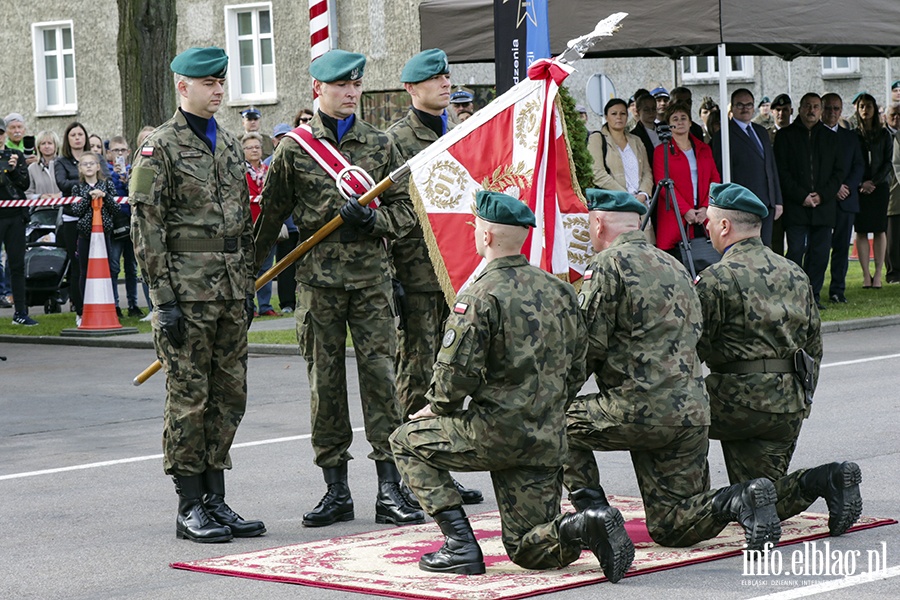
(758, 305)
(420, 339)
(643, 322)
(344, 280)
(181, 194)
(514, 343)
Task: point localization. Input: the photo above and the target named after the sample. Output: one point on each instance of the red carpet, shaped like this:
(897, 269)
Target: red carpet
(384, 562)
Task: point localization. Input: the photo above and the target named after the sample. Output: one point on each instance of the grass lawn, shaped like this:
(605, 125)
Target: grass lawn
(862, 304)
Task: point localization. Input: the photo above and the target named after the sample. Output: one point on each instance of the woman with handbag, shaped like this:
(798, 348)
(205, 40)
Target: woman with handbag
(692, 171)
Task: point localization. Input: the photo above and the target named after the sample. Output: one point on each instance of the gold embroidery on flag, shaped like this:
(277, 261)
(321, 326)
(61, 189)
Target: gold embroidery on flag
(445, 181)
(527, 124)
(509, 179)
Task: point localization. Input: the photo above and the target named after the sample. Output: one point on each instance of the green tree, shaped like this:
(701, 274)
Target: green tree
(577, 133)
(146, 45)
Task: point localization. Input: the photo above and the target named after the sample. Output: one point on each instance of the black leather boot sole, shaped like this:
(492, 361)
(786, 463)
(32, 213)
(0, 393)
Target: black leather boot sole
(766, 526)
(616, 552)
(843, 498)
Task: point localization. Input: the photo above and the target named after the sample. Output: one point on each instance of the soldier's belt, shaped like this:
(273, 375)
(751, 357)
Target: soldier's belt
(763, 365)
(229, 244)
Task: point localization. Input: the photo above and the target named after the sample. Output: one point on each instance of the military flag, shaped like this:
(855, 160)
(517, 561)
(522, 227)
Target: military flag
(516, 145)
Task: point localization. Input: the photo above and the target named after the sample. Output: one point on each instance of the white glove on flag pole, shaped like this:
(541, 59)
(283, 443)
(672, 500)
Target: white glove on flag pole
(515, 145)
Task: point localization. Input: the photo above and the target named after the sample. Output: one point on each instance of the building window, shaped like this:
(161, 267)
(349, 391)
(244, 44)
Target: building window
(54, 67)
(251, 54)
(707, 67)
(839, 65)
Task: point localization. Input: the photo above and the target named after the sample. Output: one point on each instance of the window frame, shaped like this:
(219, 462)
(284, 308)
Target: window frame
(236, 92)
(693, 76)
(39, 54)
(851, 70)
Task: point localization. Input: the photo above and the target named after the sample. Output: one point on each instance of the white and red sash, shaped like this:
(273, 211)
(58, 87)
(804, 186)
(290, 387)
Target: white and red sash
(332, 162)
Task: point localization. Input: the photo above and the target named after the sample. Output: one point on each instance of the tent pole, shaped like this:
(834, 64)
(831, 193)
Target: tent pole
(723, 114)
(887, 81)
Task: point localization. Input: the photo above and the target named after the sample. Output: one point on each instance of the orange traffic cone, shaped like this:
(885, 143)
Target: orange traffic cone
(99, 302)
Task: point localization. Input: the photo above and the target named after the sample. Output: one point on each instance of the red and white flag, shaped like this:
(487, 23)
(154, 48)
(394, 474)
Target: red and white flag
(515, 145)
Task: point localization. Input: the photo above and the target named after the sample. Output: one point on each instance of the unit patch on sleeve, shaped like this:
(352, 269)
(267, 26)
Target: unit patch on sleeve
(460, 308)
(147, 151)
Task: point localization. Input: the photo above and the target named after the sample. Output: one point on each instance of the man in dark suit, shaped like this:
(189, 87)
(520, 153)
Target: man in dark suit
(811, 171)
(847, 196)
(752, 158)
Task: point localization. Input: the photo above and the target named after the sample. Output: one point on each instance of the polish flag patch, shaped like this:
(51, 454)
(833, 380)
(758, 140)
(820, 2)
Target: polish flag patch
(588, 275)
(460, 308)
(147, 151)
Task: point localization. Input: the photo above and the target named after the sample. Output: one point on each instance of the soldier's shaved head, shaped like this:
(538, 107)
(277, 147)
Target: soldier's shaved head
(606, 226)
(500, 240)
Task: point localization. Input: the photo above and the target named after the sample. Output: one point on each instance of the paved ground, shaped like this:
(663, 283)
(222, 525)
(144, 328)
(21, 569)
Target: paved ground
(107, 530)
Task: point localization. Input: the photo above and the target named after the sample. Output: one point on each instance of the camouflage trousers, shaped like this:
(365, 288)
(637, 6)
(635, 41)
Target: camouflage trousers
(323, 316)
(206, 386)
(417, 348)
(669, 462)
(760, 444)
(426, 450)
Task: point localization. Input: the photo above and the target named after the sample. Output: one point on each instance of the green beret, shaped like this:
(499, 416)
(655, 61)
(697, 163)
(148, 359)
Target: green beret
(613, 201)
(337, 65)
(201, 62)
(503, 209)
(425, 65)
(736, 197)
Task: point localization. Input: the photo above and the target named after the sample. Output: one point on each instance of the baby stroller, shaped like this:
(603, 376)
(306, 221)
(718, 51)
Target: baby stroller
(46, 265)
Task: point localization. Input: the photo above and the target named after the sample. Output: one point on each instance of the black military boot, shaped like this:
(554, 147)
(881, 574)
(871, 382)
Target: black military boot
(193, 521)
(391, 505)
(588, 498)
(336, 505)
(601, 529)
(469, 495)
(838, 483)
(460, 553)
(214, 501)
(752, 504)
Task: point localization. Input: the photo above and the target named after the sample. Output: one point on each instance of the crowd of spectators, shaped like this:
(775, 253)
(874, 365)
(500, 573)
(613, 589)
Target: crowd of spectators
(822, 175)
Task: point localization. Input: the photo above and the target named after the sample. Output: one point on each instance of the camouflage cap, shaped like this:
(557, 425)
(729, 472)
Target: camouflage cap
(338, 65)
(732, 196)
(497, 207)
(613, 201)
(425, 65)
(201, 62)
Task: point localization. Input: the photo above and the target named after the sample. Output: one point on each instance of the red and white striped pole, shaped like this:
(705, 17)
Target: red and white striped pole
(320, 38)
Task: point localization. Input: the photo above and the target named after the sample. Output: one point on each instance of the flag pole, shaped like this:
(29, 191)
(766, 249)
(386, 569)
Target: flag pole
(301, 249)
(575, 50)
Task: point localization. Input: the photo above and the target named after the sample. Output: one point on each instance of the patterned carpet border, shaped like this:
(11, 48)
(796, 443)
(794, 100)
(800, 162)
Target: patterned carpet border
(385, 562)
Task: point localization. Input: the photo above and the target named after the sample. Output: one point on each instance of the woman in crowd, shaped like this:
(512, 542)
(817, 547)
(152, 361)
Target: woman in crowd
(74, 144)
(42, 173)
(692, 170)
(304, 115)
(874, 191)
(91, 185)
(256, 175)
(620, 159)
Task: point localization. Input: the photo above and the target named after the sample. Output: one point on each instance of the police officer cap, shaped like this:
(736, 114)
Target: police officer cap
(781, 100)
(501, 208)
(425, 65)
(461, 97)
(613, 201)
(764, 100)
(338, 65)
(659, 92)
(736, 197)
(251, 113)
(201, 62)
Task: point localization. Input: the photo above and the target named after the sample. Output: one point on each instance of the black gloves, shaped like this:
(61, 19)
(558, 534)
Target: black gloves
(171, 322)
(360, 217)
(250, 308)
(400, 303)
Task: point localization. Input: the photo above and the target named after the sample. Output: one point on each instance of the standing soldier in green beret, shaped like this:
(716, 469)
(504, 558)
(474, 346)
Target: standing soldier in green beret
(423, 309)
(343, 281)
(514, 343)
(643, 321)
(193, 238)
(763, 345)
